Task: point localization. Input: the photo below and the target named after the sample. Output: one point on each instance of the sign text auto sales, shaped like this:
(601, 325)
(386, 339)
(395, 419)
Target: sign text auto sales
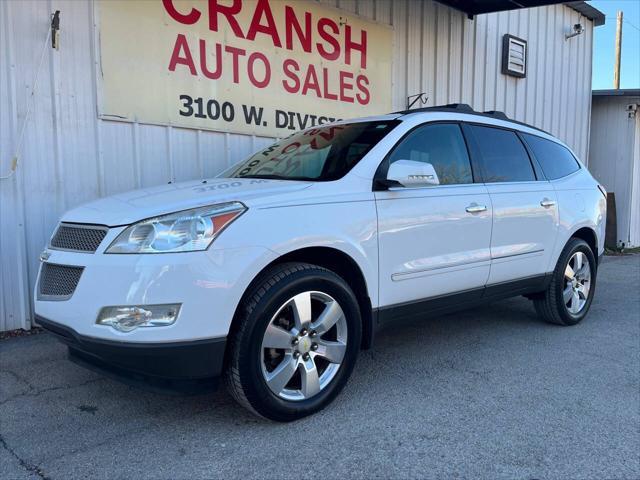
(247, 66)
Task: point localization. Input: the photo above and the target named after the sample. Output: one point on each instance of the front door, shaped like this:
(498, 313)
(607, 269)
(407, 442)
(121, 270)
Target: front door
(433, 240)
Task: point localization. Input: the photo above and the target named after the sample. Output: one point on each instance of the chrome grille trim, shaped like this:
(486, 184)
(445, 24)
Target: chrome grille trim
(58, 282)
(78, 237)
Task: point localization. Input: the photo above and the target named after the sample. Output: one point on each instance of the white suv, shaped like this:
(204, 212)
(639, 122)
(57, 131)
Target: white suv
(276, 273)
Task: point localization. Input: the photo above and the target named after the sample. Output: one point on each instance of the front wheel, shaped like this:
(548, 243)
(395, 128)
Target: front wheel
(568, 297)
(295, 342)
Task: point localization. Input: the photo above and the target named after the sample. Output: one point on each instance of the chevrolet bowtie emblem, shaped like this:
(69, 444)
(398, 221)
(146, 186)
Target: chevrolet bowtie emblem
(44, 256)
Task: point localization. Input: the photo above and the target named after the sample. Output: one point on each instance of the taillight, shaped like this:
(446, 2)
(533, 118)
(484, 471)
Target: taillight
(602, 189)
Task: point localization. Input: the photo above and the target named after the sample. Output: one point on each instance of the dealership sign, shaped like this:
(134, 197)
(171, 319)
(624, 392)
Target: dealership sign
(263, 67)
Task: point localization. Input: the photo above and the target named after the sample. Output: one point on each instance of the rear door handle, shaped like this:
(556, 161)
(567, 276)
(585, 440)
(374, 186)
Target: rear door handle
(546, 203)
(475, 208)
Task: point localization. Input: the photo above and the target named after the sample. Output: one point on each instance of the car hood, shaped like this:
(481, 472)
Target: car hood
(129, 207)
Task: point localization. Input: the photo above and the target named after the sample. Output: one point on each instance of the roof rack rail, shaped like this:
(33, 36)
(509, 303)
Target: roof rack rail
(464, 108)
(456, 107)
(497, 114)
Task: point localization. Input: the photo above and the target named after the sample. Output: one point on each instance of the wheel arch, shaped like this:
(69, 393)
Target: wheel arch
(338, 262)
(588, 235)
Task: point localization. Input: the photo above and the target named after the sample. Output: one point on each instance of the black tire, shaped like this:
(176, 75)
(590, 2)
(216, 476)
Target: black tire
(244, 376)
(550, 305)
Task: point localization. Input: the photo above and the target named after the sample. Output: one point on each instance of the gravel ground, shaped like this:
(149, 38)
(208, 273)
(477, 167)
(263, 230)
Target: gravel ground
(489, 393)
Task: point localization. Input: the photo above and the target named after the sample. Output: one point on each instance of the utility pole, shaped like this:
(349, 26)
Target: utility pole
(616, 71)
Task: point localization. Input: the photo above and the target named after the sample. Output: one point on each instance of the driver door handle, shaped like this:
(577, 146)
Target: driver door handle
(475, 208)
(546, 203)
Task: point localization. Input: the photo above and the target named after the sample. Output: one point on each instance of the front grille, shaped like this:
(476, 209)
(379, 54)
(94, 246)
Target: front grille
(59, 280)
(80, 238)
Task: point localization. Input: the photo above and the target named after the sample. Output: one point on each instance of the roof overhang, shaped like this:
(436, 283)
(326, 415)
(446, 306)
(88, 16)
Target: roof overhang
(628, 92)
(477, 7)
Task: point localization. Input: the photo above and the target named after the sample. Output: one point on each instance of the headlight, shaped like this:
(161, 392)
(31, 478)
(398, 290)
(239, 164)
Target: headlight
(186, 231)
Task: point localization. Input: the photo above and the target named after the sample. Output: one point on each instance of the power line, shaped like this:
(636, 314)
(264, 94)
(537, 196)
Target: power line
(624, 21)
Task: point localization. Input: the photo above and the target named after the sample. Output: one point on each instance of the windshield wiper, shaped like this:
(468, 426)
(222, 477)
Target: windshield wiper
(279, 177)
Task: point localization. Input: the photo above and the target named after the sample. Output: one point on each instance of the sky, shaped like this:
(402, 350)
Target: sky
(604, 45)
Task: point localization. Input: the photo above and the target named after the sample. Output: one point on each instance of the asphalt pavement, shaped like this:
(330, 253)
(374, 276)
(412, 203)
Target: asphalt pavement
(488, 393)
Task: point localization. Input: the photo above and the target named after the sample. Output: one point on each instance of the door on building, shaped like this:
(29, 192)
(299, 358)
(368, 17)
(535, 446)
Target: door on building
(433, 240)
(525, 213)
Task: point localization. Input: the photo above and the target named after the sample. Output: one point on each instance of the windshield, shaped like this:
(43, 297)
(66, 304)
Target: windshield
(320, 154)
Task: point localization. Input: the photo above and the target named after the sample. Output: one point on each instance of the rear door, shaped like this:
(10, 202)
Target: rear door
(525, 213)
(433, 240)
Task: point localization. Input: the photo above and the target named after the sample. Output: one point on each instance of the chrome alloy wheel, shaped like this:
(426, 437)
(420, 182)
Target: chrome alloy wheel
(577, 276)
(304, 345)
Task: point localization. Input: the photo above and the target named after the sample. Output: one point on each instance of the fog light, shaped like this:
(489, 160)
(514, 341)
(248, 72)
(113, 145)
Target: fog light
(126, 319)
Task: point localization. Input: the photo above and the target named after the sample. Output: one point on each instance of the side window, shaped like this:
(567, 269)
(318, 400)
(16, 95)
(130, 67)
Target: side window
(441, 145)
(556, 161)
(503, 156)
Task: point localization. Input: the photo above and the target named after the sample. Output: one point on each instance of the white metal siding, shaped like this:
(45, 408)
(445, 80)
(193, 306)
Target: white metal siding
(634, 221)
(634, 227)
(71, 157)
(614, 159)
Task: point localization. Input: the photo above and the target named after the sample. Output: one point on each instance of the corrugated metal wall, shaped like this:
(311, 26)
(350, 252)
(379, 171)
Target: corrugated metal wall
(614, 159)
(634, 223)
(71, 157)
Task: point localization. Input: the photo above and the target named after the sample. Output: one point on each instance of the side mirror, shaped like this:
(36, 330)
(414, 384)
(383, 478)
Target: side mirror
(410, 173)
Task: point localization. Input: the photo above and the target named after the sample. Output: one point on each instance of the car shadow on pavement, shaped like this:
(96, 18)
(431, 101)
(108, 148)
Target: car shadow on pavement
(431, 343)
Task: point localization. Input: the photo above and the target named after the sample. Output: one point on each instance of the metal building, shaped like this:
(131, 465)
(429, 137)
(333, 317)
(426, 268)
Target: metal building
(532, 63)
(614, 156)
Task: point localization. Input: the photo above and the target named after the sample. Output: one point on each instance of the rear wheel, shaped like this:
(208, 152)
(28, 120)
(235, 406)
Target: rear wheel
(296, 342)
(568, 297)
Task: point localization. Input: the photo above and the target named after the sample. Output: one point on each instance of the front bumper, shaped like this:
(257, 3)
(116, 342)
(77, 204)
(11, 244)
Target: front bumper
(208, 285)
(185, 366)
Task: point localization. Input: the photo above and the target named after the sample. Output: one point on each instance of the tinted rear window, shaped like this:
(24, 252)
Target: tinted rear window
(503, 156)
(556, 161)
